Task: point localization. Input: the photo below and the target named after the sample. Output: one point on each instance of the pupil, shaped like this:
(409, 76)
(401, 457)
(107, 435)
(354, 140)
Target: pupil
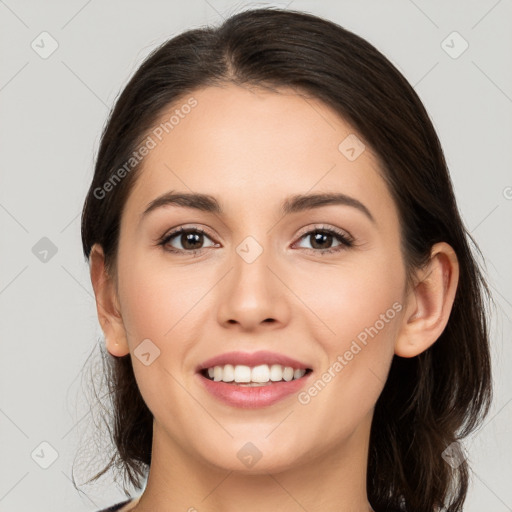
(321, 236)
(189, 238)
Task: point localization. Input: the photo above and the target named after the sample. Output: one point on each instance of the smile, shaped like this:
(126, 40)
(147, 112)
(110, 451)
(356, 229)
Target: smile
(252, 380)
(261, 375)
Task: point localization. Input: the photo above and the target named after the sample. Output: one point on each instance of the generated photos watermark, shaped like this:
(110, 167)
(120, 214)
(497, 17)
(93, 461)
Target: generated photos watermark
(342, 360)
(149, 143)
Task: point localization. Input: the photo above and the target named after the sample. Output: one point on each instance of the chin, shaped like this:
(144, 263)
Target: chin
(252, 457)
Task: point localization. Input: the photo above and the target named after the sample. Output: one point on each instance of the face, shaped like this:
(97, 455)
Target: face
(322, 285)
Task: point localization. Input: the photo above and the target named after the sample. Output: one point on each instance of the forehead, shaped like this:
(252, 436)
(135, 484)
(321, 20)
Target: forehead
(252, 147)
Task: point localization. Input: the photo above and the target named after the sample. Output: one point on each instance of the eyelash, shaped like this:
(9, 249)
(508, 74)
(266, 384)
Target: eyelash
(346, 240)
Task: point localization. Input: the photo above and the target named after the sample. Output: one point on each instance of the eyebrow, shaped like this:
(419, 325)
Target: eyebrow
(292, 204)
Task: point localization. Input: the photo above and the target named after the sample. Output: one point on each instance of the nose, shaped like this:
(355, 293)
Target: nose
(252, 295)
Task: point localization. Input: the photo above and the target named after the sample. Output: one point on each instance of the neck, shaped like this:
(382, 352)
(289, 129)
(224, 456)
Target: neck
(332, 481)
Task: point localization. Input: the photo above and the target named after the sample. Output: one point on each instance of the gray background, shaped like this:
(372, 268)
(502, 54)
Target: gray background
(52, 111)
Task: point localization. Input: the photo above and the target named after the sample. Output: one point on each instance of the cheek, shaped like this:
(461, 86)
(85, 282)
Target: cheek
(156, 299)
(351, 297)
(359, 305)
(362, 312)
(158, 305)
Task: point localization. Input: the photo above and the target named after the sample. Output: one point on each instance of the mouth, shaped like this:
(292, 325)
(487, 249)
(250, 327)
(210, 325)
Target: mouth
(252, 380)
(256, 376)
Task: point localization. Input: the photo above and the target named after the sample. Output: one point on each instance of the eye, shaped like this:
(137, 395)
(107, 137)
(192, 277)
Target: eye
(190, 240)
(322, 236)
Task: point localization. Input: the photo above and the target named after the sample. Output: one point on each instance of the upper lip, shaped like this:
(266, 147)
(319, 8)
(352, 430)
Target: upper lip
(252, 359)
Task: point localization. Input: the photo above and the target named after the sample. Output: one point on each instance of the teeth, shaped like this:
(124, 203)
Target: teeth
(260, 373)
(276, 373)
(242, 373)
(228, 373)
(255, 376)
(288, 374)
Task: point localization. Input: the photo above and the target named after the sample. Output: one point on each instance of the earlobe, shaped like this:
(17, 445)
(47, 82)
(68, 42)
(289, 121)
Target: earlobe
(107, 304)
(430, 302)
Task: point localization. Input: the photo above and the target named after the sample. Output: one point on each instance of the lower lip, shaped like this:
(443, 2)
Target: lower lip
(248, 397)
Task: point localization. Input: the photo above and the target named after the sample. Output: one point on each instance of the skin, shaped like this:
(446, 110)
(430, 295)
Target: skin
(252, 148)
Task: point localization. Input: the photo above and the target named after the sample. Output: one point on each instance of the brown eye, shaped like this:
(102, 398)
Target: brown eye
(321, 240)
(190, 239)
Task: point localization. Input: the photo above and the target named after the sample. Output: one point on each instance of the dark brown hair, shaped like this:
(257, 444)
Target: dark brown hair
(429, 401)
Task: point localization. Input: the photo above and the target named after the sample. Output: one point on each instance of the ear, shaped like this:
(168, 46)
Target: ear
(430, 302)
(107, 304)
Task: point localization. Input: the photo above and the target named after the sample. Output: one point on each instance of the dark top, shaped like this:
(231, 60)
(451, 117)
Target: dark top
(116, 507)
(113, 508)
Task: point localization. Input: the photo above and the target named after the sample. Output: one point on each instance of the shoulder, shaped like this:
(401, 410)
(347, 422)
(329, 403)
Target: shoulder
(118, 506)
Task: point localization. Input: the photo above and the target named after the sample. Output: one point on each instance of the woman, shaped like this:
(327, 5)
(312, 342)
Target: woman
(293, 317)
